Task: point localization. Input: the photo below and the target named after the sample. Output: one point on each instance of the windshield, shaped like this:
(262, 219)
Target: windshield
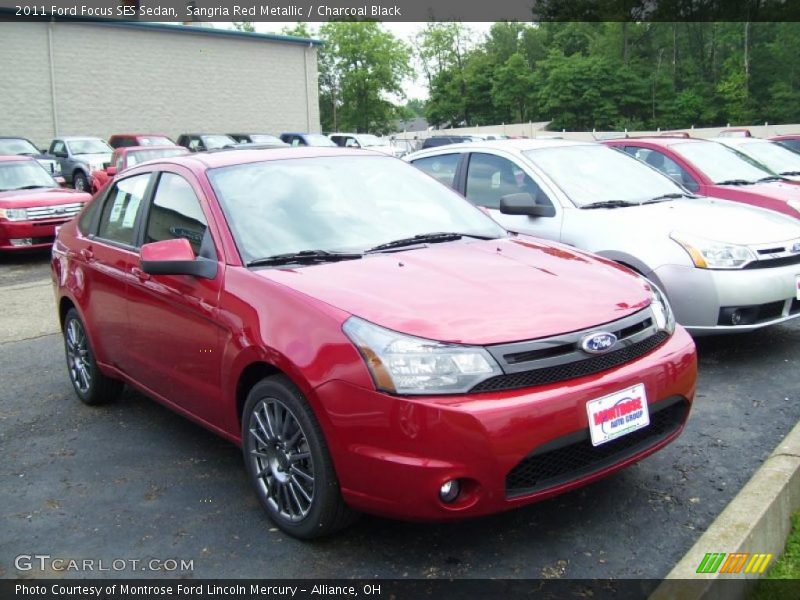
(317, 139)
(265, 138)
(89, 146)
(18, 174)
(773, 156)
(155, 140)
(138, 156)
(337, 204)
(18, 146)
(718, 162)
(594, 173)
(213, 142)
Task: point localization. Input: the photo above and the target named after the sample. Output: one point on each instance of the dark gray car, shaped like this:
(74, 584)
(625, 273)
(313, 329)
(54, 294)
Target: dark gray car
(78, 157)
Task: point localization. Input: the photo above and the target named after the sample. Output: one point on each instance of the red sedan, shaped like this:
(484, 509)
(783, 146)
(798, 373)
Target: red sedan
(711, 169)
(32, 204)
(371, 340)
(122, 158)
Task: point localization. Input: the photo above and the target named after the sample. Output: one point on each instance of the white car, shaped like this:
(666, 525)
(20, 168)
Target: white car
(724, 266)
(367, 141)
(778, 159)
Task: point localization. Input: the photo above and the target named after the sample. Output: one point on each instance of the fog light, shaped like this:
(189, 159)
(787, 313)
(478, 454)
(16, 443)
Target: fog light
(22, 242)
(736, 317)
(449, 491)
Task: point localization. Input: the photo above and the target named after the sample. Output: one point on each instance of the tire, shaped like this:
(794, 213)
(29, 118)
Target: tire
(80, 182)
(91, 386)
(288, 464)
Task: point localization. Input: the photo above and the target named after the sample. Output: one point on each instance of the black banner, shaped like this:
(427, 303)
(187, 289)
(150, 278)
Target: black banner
(403, 10)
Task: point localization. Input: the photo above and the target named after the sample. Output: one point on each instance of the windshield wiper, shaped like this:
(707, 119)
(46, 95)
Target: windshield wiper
(664, 197)
(304, 256)
(610, 204)
(770, 178)
(735, 182)
(791, 173)
(27, 187)
(426, 238)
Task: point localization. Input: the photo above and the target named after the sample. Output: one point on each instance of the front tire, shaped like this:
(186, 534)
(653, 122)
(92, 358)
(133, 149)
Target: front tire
(91, 386)
(288, 463)
(80, 182)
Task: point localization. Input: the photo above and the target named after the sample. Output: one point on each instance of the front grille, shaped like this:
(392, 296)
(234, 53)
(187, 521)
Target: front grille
(573, 456)
(572, 370)
(770, 263)
(59, 211)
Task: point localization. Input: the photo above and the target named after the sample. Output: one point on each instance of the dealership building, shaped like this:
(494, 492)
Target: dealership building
(77, 78)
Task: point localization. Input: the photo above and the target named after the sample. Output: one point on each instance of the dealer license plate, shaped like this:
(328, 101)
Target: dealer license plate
(617, 414)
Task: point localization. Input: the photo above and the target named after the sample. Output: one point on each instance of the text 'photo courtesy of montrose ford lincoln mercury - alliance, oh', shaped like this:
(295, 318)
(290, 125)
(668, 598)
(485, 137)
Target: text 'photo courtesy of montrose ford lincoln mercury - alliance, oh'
(724, 266)
(372, 341)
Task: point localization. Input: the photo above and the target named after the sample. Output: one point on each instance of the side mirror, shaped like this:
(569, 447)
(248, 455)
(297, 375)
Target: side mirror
(175, 257)
(111, 171)
(523, 203)
(60, 154)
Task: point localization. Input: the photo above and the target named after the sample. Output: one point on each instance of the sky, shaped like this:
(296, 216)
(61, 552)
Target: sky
(413, 88)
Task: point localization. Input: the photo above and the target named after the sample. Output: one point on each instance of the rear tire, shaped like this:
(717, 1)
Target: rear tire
(288, 462)
(91, 386)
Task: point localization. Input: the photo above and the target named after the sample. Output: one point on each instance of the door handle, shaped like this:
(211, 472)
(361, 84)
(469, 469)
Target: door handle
(87, 254)
(139, 274)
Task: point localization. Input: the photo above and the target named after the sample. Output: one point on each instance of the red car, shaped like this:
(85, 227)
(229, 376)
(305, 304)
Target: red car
(371, 340)
(790, 141)
(122, 158)
(32, 204)
(712, 169)
(125, 140)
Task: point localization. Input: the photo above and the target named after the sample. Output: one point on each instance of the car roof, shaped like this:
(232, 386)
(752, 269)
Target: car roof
(518, 145)
(126, 149)
(739, 141)
(658, 140)
(72, 138)
(212, 160)
(137, 135)
(15, 158)
(13, 137)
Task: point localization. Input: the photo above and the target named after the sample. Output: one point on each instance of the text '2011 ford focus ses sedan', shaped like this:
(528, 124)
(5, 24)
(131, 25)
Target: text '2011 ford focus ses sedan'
(371, 340)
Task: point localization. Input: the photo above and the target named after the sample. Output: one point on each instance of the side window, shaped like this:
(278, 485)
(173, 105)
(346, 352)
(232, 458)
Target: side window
(442, 167)
(194, 144)
(121, 207)
(297, 141)
(58, 147)
(666, 165)
(491, 177)
(175, 213)
(119, 162)
(87, 216)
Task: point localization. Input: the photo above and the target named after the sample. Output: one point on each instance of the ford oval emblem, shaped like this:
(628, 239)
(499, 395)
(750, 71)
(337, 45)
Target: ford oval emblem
(599, 342)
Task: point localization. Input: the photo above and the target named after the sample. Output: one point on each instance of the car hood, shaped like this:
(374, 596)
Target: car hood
(41, 197)
(92, 158)
(713, 219)
(475, 292)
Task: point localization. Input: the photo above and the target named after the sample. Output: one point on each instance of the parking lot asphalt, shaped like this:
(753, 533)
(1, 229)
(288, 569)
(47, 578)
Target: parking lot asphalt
(132, 480)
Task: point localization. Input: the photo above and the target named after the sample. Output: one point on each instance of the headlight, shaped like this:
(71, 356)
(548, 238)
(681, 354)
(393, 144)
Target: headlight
(708, 254)
(402, 364)
(14, 214)
(662, 311)
(795, 204)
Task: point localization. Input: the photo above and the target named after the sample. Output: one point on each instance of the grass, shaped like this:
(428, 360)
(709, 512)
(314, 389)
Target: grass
(782, 580)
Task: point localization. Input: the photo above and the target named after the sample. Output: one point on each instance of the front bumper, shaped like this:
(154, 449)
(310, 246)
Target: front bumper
(40, 233)
(698, 296)
(392, 454)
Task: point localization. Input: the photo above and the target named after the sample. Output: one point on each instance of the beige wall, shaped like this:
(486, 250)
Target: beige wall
(110, 79)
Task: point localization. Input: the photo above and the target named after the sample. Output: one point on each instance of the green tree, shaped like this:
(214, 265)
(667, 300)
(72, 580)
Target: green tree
(244, 26)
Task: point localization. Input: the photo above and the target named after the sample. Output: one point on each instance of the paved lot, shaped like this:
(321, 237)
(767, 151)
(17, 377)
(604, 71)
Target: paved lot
(134, 481)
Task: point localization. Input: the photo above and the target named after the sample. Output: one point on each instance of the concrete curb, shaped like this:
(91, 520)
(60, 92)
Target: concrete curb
(756, 521)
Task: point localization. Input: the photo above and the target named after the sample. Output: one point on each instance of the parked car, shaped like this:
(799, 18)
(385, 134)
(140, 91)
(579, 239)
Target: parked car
(367, 141)
(125, 157)
(790, 141)
(772, 156)
(736, 132)
(712, 169)
(372, 341)
(20, 146)
(257, 138)
(200, 142)
(78, 157)
(306, 139)
(123, 140)
(443, 140)
(725, 267)
(32, 204)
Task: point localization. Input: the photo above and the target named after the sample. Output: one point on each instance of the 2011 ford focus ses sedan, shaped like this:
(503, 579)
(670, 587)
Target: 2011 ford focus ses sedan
(371, 340)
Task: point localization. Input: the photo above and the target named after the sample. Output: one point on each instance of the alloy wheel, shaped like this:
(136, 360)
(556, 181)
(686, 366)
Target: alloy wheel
(78, 357)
